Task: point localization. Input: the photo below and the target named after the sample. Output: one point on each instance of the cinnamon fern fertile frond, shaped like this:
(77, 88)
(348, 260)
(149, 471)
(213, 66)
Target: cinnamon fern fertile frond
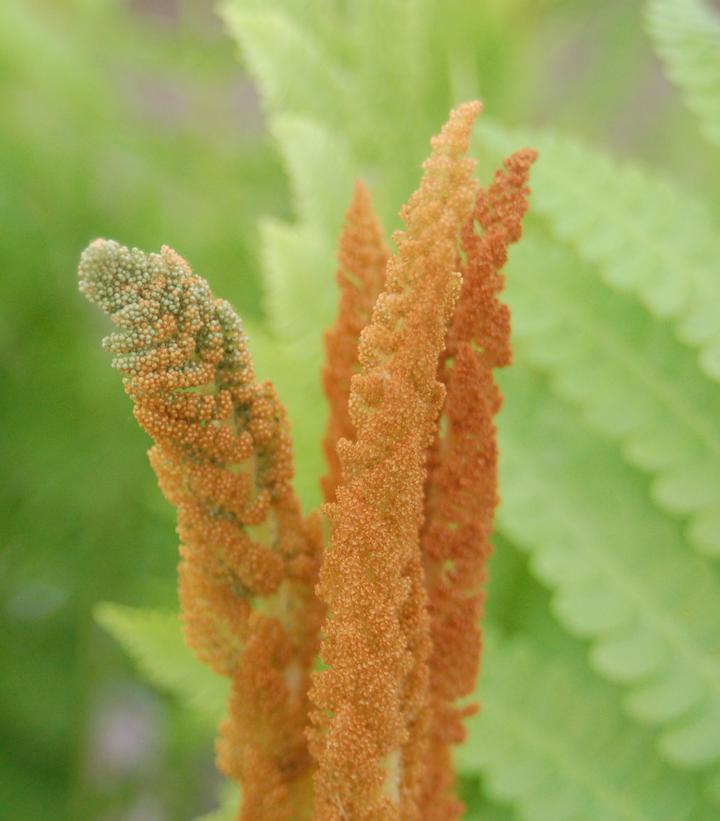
(461, 489)
(362, 257)
(223, 457)
(371, 711)
(401, 600)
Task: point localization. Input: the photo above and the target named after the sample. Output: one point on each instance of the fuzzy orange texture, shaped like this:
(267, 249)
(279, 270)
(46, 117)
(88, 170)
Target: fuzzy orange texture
(223, 457)
(362, 257)
(461, 490)
(371, 711)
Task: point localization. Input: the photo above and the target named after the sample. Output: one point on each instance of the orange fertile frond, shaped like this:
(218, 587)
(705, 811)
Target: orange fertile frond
(223, 457)
(461, 492)
(362, 256)
(371, 703)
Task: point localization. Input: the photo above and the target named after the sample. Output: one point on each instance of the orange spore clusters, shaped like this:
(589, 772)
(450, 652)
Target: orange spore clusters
(371, 710)
(411, 493)
(223, 456)
(362, 257)
(461, 488)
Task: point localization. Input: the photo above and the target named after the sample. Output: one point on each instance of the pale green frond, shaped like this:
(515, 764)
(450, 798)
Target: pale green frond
(154, 640)
(320, 170)
(301, 290)
(646, 236)
(294, 368)
(633, 380)
(293, 72)
(686, 34)
(552, 740)
(397, 60)
(620, 570)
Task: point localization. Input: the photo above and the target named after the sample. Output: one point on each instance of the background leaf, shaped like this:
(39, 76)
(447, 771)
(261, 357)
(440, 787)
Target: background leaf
(154, 640)
(686, 34)
(559, 749)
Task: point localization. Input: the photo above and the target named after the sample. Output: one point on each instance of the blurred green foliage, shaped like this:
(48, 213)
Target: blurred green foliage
(134, 120)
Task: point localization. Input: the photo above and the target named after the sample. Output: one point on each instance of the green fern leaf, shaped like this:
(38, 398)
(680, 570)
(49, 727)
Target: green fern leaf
(293, 72)
(296, 262)
(299, 259)
(553, 741)
(154, 640)
(686, 34)
(620, 570)
(320, 169)
(632, 378)
(646, 237)
(294, 368)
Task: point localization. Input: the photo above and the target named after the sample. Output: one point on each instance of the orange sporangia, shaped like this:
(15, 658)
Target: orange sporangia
(461, 489)
(362, 256)
(411, 491)
(371, 716)
(223, 457)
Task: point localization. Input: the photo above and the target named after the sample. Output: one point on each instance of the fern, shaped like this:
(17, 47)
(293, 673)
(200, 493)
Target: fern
(633, 380)
(618, 569)
(621, 259)
(686, 34)
(562, 750)
(645, 236)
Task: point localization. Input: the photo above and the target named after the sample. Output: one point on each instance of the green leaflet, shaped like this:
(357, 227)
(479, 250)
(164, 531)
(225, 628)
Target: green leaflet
(295, 259)
(286, 61)
(154, 640)
(300, 259)
(686, 34)
(294, 368)
(646, 237)
(620, 571)
(633, 380)
(320, 170)
(552, 739)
